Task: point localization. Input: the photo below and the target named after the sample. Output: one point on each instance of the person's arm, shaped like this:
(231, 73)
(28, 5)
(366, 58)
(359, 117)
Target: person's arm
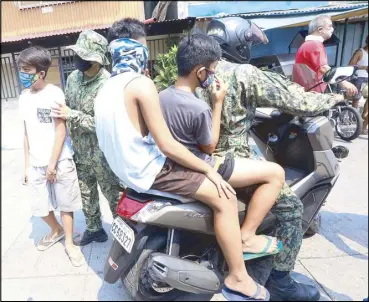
(146, 95)
(323, 69)
(60, 134)
(317, 57)
(217, 99)
(26, 154)
(77, 118)
(85, 121)
(349, 87)
(270, 89)
(356, 58)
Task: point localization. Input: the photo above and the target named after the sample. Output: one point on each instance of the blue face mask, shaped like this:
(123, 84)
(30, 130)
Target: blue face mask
(209, 80)
(28, 79)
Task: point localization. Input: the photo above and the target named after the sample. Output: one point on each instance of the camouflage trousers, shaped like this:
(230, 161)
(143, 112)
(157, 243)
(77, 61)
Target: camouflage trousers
(288, 210)
(89, 176)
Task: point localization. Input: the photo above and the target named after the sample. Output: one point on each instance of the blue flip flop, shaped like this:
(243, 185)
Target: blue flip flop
(232, 295)
(263, 253)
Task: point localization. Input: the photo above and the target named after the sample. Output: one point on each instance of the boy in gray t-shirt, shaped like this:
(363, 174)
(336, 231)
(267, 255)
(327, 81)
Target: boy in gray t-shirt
(193, 123)
(189, 119)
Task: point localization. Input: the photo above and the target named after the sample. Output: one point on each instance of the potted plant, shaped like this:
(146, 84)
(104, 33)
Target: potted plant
(166, 68)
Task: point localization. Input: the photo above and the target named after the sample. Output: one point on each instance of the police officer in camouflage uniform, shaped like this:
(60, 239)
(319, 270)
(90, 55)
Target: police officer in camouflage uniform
(250, 88)
(82, 87)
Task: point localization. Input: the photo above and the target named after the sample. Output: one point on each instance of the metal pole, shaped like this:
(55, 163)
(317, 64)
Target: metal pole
(61, 69)
(337, 47)
(344, 40)
(362, 33)
(16, 73)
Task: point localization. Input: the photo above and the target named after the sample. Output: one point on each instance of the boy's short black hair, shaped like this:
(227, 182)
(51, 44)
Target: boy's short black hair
(126, 28)
(35, 56)
(197, 49)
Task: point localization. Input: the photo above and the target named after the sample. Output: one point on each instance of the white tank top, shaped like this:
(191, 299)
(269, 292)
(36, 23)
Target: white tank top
(136, 160)
(363, 62)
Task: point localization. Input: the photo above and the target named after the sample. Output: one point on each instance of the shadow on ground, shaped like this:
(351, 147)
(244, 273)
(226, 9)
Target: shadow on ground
(354, 227)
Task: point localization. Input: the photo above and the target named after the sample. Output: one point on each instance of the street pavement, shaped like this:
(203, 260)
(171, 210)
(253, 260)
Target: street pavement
(336, 260)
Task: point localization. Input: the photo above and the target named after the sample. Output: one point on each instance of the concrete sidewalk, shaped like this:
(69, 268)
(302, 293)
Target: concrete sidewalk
(336, 260)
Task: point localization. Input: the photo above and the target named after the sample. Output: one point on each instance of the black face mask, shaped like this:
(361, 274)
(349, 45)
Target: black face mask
(82, 65)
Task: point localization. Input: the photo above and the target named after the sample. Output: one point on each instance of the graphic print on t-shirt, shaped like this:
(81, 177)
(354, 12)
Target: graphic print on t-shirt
(43, 115)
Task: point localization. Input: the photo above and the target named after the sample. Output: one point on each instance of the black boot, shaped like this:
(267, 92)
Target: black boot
(88, 237)
(287, 289)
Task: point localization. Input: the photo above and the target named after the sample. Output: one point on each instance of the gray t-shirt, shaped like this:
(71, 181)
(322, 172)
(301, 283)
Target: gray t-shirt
(189, 120)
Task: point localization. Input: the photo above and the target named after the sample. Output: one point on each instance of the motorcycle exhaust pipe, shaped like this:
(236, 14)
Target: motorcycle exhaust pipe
(184, 275)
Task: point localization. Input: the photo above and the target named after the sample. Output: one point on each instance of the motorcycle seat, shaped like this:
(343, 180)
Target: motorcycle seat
(154, 194)
(171, 196)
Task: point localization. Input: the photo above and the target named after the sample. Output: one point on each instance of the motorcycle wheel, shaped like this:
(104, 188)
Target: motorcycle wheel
(345, 112)
(138, 283)
(314, 227)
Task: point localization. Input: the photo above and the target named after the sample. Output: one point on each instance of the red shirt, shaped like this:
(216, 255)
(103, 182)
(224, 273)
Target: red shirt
(314, 55)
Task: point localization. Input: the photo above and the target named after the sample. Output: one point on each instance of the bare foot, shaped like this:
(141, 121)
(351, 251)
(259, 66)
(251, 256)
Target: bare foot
(257, 243)
(246, 286)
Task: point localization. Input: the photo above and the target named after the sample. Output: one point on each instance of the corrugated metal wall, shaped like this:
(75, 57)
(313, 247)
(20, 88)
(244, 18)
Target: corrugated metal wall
(16, 22)
(355, 39)
(62, 64)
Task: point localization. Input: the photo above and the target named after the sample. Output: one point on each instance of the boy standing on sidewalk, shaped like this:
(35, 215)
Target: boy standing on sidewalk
(49, 165)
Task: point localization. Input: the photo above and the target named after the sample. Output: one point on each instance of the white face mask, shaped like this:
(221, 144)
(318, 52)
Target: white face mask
(326, 33)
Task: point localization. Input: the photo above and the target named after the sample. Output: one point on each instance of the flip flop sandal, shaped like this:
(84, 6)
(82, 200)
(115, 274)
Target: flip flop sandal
(263, 253)
(232, 295)
(75, 256)
(46, 243)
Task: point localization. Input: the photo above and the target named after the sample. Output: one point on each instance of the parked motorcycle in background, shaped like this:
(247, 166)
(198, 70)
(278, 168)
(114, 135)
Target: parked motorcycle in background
(345, 119)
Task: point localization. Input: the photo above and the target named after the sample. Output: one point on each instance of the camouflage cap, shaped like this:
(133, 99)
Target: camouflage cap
(91, 46)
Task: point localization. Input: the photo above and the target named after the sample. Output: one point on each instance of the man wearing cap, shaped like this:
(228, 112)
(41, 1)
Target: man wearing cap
(82, 87)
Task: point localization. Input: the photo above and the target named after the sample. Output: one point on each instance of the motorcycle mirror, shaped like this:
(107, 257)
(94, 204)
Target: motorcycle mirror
(338, 74)
(328, 76)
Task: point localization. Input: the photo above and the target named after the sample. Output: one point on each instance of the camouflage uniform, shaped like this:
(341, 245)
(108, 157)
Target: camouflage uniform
(249, 88)
(92, 167)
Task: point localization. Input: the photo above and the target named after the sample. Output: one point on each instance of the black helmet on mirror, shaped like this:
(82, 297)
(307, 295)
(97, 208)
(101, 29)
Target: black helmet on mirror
(236, 37)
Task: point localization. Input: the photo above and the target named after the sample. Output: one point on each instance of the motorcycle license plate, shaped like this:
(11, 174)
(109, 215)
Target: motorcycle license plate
(123, 233)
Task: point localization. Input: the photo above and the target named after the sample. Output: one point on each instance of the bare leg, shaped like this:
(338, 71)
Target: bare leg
(271, 178)
(228, 235)
(67, 218)
(74, 253)
(56, 228)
